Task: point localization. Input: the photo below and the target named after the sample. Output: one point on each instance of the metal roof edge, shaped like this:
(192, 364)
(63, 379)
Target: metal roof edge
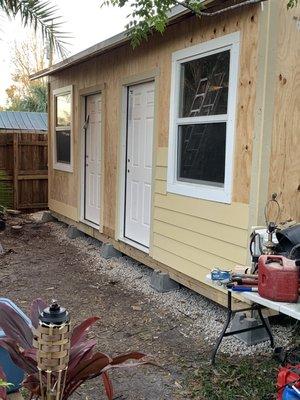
(23, 121)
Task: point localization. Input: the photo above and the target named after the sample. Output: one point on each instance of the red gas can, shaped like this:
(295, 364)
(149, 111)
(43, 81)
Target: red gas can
(278, 278)
(286, 375)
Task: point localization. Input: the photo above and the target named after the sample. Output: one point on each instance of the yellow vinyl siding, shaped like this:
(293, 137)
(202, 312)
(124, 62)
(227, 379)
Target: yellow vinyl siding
(235, 214)
(225, 233)
(181, 264)
(160, 187)
(229, 251)
(193, 235)
(161, 173)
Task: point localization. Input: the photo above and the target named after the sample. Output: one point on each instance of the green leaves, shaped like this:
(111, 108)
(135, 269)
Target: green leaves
(40, 14)
(292, 3)
(34, 98)
(148, 16)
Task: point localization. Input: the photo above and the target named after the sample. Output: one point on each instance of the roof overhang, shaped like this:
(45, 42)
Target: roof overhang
(175, 14)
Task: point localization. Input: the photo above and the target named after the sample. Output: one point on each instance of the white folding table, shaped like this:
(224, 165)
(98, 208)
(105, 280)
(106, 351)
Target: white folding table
(257, 304)
(290, 309)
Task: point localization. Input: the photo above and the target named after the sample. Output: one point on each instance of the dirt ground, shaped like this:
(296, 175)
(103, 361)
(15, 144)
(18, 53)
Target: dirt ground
(39, 265)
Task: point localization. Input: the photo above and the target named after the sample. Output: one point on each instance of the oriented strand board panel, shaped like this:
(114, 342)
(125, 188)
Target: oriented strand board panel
(285, 154)
(193, 236)
(119, 64)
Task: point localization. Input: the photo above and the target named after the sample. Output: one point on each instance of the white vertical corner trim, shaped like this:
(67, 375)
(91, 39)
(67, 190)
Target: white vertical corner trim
(57, 165)
(229, 42)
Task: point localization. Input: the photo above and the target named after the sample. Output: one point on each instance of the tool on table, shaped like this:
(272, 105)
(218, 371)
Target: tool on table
(244, 281)
(221, 276)
(242, 288)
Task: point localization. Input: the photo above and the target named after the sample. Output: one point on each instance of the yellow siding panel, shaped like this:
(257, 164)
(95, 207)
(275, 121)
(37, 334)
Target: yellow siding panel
(161, 173)
(193, 235)
(235, 214)
(162, 157)
(211, 245)
(226, 233)
(195, 255)
(181, 264)
(161, 187)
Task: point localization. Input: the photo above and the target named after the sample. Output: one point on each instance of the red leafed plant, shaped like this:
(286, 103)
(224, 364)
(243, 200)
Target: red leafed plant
(85, 363)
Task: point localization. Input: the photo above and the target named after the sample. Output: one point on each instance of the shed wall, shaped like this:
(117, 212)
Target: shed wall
(284, 175)
(189, 235)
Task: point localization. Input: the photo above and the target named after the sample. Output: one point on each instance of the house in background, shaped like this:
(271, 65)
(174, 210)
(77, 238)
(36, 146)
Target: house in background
(24, 157)
(170, 151)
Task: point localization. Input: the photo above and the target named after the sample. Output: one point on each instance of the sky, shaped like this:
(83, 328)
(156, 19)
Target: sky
(87, 22)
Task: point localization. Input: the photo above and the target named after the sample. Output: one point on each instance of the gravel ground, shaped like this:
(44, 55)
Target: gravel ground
(207, 317)
(177, 328)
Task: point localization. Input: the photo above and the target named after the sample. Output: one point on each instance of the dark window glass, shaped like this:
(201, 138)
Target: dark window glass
(204, 85)
(63, 110)
(201, 153)
(63, 147)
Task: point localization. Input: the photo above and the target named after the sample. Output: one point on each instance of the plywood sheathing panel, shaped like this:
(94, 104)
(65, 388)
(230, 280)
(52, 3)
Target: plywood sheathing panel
(284, 176)
(112, 68)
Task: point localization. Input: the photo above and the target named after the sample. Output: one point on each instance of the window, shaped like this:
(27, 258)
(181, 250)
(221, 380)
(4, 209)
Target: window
(202, 114)
(63, 129)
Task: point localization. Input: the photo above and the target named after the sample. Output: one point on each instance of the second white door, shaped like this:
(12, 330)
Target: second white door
(140, 117)
(92, 158)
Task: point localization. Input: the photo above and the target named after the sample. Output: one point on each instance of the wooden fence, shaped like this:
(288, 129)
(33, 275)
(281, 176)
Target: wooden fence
(24, 159)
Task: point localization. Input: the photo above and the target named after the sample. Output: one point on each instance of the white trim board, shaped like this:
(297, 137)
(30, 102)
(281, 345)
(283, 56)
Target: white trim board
(59, 165)
(192, 189)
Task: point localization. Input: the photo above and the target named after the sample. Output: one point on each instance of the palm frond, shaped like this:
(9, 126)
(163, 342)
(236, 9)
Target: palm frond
(40, 14)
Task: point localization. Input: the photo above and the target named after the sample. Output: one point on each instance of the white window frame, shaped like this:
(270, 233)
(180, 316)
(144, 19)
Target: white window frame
(191, 189)
(59, 165)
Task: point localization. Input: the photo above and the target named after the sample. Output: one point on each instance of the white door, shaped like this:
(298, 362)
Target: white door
(92, 158)
(139, 162)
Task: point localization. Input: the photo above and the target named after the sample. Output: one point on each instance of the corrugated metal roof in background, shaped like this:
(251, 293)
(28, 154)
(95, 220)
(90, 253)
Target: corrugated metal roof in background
(24, 121)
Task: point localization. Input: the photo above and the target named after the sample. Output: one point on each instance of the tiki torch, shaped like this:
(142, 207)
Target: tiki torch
(52, 340)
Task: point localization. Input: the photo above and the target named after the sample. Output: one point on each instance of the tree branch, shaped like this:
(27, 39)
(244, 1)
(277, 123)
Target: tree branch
(212, 14)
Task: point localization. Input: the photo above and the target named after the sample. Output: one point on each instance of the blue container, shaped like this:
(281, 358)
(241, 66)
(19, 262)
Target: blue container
(14, 374)
(290, 394)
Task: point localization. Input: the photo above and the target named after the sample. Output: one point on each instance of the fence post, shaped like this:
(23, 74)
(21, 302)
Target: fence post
(16, 169)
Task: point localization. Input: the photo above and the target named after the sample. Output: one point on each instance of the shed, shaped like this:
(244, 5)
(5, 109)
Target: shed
(24, 157)
(170, 151)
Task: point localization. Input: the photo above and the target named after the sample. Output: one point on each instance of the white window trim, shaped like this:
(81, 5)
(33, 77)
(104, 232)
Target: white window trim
(58, 165)
(197, 190)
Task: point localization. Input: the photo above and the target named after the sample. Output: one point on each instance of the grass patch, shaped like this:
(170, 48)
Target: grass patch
(235, 379)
